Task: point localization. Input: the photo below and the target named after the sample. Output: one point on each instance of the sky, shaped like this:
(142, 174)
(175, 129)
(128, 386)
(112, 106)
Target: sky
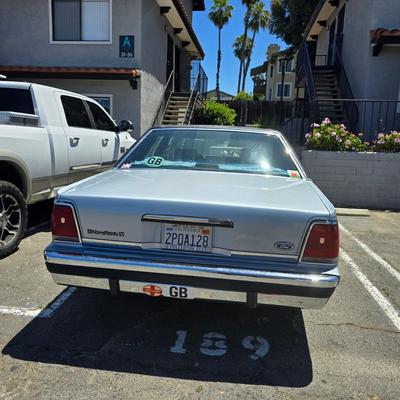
(208, 37)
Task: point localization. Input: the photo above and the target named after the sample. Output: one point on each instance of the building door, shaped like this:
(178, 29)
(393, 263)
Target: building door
(178, 78)
(340, 30)
(170, 57)
(331, 43)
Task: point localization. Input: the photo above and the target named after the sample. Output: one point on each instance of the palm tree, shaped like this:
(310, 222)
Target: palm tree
(237, 47)
(248, 4)
(220, 14)
(259, 19)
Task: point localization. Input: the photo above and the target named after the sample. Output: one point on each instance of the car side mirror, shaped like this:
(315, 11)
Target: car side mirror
(125, 125)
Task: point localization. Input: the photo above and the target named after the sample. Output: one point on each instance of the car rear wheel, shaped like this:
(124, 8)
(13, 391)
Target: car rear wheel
(13, 218)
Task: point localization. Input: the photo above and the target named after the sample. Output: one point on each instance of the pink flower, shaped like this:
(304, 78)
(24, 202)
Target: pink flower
(343, 126)
(380, 136)
(308, 135)
(314, 125)
(317, 135)
(347, 142)
(339, 139)
(326, 121)
(360, 135)
(381, 141)
(397, 140)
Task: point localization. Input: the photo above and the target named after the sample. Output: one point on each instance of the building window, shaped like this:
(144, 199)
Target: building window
(286, 92)
(81, 20)
(105, 100)
(272, 71)
(289, 66)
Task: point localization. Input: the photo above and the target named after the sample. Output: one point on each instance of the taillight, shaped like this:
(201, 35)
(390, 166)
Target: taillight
(63, 224)
(322, 244)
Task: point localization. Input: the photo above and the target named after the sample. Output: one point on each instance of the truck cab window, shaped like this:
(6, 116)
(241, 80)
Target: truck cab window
(102, 120)
(75, 112)
(16, 100)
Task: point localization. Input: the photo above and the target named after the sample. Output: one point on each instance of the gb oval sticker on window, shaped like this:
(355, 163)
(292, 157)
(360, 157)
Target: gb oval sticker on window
(154, 161)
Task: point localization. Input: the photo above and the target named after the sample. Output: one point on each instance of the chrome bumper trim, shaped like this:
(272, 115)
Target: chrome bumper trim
(200, 293)
(272, 277)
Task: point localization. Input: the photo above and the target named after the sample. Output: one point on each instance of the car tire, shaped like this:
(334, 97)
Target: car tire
(13, 218)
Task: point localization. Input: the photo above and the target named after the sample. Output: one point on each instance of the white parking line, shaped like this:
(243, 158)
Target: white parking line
(372, 254)
(38, 312)
(20, 311)
(382, 301)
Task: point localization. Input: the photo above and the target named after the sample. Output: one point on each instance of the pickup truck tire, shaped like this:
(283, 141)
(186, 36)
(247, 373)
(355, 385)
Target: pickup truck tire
(13, 218)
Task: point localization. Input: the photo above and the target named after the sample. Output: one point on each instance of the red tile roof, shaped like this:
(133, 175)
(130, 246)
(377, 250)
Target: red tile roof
(382, 32)
(93, 72)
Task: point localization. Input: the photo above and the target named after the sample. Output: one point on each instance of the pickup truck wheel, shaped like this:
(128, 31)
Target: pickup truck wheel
(13, 218)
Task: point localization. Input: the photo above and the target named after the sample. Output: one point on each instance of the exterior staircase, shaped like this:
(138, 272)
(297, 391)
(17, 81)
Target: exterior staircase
(179, 109)
(327, 91)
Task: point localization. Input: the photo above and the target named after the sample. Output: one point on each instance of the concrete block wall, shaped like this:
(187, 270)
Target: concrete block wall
(350, 179)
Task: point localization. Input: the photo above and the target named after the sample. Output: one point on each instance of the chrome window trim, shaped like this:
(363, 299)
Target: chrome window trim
(226, 129)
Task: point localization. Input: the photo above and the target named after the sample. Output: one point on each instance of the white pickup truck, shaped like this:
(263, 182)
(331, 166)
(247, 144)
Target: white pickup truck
(49, 138)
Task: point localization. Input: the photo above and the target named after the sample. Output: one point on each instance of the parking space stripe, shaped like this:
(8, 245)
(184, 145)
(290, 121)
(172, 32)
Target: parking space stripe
(382, 301)
(20, 311)
(38, 312)
(57, 303)
(372, 254)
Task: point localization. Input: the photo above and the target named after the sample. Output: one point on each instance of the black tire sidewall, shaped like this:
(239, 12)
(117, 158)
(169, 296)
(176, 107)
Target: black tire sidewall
(9, 188)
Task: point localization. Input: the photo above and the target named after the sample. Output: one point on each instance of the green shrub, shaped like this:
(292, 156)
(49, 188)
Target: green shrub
(215, 113)
(243, 96)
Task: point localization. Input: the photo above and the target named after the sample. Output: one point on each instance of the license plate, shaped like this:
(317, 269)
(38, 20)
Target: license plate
(175, 291)
(187, 237)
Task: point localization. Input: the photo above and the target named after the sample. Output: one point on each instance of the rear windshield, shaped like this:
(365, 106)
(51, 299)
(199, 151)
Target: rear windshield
(212, 150)
(16, 100)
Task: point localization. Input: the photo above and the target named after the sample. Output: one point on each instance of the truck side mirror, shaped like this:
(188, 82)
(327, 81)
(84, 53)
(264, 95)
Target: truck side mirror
(125, 125)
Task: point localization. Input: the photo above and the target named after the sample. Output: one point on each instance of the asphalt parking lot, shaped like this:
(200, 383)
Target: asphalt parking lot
(67, 343)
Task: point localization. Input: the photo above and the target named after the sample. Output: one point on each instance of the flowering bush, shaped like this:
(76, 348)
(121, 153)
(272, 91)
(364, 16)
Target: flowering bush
(389, 142)
(336, 137)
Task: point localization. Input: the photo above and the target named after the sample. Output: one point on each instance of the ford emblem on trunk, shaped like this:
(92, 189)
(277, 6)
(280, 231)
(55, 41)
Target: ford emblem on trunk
(284, 245)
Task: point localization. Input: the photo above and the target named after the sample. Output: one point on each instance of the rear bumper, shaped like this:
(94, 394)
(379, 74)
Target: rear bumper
(253, 287)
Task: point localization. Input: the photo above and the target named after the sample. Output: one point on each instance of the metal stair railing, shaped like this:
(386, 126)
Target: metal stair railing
(164, 101)
(304, 69)
(345, 90)
(194, 90)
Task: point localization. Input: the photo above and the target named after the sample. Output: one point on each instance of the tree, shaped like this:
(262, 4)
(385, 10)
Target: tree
(259, 19)
(220, 14)
(237, 47)
(289, 19)
(248, 4)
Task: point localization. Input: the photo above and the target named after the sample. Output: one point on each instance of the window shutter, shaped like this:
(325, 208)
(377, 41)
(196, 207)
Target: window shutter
(96, 20)
(66, 20)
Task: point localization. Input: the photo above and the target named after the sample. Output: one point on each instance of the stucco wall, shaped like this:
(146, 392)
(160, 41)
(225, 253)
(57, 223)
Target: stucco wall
(352, 179)
(25, 37)
(370, 77)
(153, 79)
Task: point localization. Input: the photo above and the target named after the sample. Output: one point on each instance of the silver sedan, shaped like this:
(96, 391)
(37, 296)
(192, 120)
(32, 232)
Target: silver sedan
(216, 213)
